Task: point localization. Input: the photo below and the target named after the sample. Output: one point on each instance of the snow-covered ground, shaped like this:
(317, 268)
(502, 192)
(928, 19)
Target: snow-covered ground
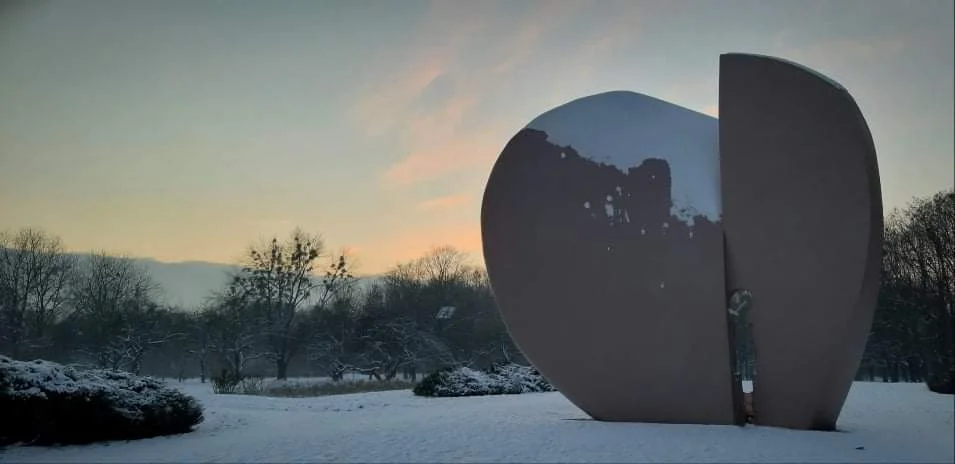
(880, 423)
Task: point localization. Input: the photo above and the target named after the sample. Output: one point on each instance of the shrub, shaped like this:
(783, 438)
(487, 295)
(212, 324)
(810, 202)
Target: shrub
(501, 379)
(943, 382)
(520, 379)
(45, 403)
(226, 383)
(251, 386)
(290, 388)
(434, 384)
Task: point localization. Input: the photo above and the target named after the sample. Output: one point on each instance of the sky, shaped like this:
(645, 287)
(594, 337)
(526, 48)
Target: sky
(186, 130)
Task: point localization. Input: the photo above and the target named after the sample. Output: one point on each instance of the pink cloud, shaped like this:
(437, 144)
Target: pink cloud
(546, 18)
(464, 237)
(380, 109)
(445, 155)
(597, 49)
(445, 121)
(412, 243)
(520, 50)
(447, 29)
(445, 202)
(434, 141)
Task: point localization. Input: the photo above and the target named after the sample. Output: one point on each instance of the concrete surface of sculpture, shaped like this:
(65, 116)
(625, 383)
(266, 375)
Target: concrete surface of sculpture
(802, 216)
(613, 227)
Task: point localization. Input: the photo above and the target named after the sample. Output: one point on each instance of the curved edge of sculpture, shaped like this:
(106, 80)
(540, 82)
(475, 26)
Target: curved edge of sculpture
(800, 188)
(601, 235)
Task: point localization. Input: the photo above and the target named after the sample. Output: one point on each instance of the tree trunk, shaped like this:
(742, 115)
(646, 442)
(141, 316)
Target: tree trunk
(136, 366)
(281, 369)
(914, 370)
(237, 366)
(337, 372)
(393, 371)
(14, 346)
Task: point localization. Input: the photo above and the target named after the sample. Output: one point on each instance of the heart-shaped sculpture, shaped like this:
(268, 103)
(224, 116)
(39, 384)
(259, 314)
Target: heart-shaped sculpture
(602, 240)
(610, 254)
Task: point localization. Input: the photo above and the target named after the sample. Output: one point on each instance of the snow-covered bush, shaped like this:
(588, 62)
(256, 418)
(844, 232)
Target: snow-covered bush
(251, 386)
(502, 379)
(226, 383)
(44, 403)
(943, 382)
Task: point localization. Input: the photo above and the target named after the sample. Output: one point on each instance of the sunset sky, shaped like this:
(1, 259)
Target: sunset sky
(184, 130)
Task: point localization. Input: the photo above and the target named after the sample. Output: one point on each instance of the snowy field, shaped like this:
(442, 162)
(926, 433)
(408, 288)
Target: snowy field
(880, 423)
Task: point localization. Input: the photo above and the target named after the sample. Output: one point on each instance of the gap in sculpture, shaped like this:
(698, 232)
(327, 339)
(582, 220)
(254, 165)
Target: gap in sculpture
(618, 227)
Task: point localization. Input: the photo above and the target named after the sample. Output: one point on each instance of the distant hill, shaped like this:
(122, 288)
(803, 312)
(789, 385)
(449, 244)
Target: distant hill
(188, 284)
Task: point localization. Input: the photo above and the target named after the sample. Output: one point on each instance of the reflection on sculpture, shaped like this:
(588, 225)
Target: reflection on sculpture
(615, 226)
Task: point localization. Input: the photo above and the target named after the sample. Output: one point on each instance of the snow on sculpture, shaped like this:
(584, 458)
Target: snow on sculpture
(613, 226)
(624, 129)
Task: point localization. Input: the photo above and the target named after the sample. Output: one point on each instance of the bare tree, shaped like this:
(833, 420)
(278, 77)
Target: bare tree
(443, 265)
(34, 277)
(409, 333)
(232, 328)
(115, 312)
(330, 325)
(179, 326)
(338, 281)
(492, 343)
(146, 329)
(199, 339)
(332, 335)
(914, 327)
(394, 343)
(279, 280)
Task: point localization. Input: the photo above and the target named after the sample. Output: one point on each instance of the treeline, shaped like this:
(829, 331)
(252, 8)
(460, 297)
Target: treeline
(912, 334)
(294, 310)
(290, 308)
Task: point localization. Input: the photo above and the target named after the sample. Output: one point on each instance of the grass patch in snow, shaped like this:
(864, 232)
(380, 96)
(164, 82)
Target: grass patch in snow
(304, 388)
(344, 387)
